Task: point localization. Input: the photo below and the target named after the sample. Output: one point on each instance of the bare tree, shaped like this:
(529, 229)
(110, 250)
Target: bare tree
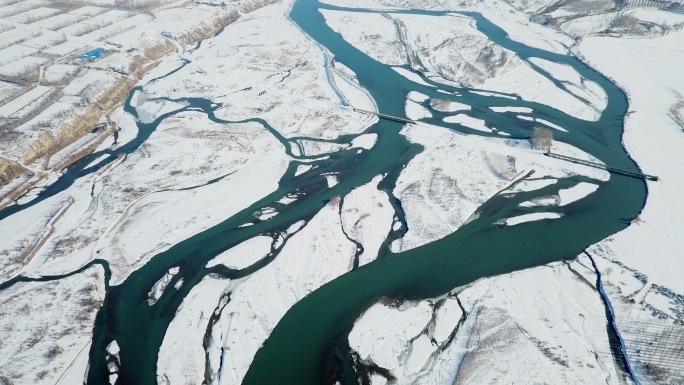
(542, 139)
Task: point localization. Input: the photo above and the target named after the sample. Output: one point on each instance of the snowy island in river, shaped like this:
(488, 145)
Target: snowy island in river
(201, 193)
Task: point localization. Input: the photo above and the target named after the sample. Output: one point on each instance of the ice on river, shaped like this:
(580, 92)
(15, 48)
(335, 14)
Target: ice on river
(525, 110)
(367, 218)
(531, 218)
(445, 184)
(468, 121)
(182, 355)
(245, 254)
(576, 192)
(388, 347)
(641, 265)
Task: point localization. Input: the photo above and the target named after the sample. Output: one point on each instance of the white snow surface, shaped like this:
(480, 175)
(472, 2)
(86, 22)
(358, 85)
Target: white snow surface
(47, 339)
(346, 81)
(312, 257)
(445, 184)
(511, 17)
(531, 185)
(244, 254)
(654, 140)
(550, 319)
(367, 218)
(380, 34)
(159, 287)
(238, 161)
(549, 124)
(468, 121)
(577, 85)
(641, 265)
(181, 358)
(446, 319)
(526, 110)
(531, 218)
(365, 141)
(576, 192)
(541, 325)
(446, 105)
(543, 201)
(411, 76)
(416, 111)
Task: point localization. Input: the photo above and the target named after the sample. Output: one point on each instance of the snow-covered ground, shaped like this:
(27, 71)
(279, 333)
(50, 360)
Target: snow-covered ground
(313, 256)
(141, 205)
(642, 265)
(452, 50)
(444, 185)
(65, 96)
(47, 327)
(546, 324)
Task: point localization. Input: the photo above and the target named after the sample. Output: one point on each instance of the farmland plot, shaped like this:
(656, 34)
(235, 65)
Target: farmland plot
(52, 94)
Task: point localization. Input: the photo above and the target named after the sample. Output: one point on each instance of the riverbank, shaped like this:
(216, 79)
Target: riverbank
(639, 263)
(642, 265)
(250, 219)
(72, 117)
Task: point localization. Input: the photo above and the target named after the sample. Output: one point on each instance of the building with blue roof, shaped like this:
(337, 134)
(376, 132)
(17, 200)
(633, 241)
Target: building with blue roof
(94, 54)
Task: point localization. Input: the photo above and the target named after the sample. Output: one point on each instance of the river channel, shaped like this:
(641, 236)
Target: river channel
(308, 346)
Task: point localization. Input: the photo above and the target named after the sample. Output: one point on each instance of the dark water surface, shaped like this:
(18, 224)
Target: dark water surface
(305, 346)
(301, 349)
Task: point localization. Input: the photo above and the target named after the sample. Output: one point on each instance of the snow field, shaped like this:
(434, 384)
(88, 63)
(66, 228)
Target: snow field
(541, 324)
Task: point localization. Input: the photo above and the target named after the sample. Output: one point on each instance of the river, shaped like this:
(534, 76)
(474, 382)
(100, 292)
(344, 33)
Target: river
(309, 345)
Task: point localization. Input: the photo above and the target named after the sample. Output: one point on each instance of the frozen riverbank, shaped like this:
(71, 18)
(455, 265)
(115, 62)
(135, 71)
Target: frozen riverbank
(267, 195)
